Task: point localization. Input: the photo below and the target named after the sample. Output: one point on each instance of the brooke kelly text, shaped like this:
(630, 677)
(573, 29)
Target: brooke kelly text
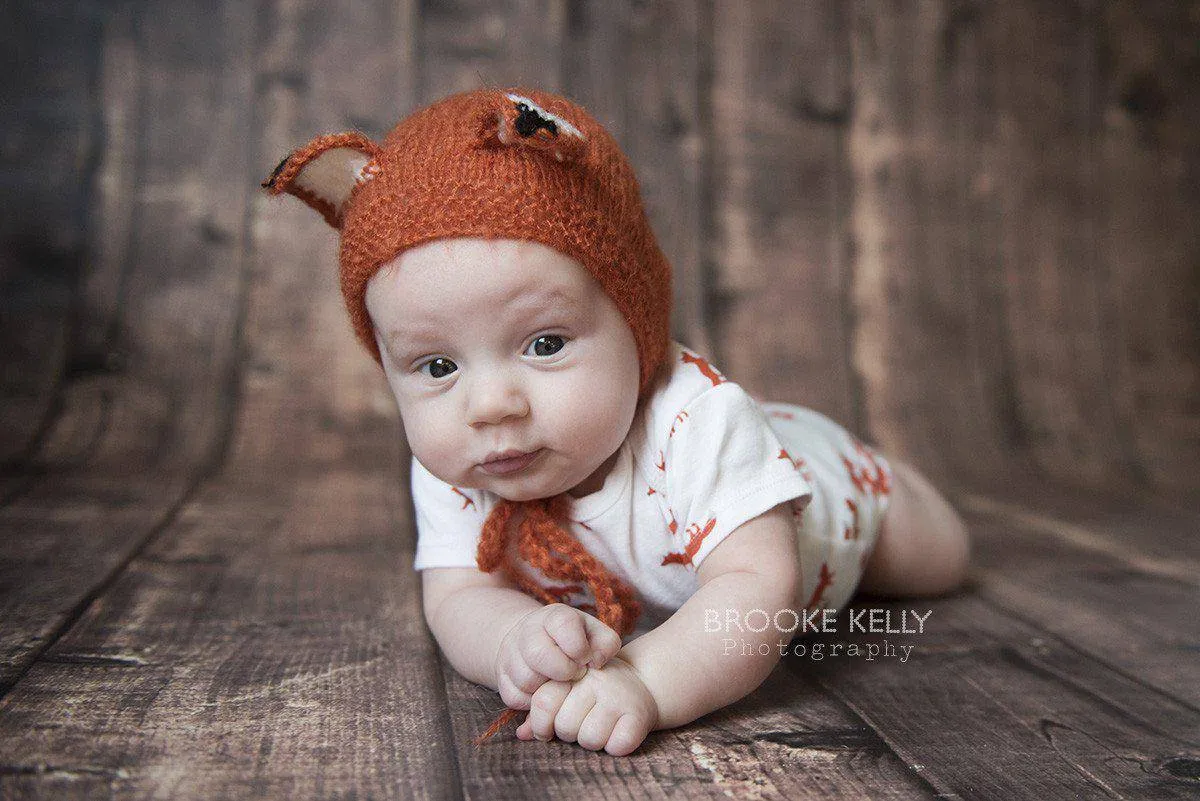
(824, 621)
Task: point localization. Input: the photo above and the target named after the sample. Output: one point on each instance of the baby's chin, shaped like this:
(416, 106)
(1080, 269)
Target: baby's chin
(518, 491)
(517, 488)
(519, 494)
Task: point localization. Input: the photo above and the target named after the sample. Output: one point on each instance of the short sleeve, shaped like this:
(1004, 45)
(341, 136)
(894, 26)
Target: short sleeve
(449, 521)
(724, 465)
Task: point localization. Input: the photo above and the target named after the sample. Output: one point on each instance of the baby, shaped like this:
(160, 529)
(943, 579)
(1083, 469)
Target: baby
(591, 496)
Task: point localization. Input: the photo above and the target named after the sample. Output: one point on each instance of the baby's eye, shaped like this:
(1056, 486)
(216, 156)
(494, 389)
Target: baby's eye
(439, 367)
(547, 345)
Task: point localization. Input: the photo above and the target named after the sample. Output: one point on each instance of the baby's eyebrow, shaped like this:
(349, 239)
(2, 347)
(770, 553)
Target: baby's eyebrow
(405, 339)
(409, 337)
(550, 298)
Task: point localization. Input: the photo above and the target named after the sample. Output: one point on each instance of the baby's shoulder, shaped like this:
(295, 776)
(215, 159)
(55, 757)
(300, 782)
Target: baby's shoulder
(686, 377)
(687, 383)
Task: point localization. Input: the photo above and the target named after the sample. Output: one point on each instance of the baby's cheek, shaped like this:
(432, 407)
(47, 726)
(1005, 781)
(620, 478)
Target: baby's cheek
(619, 400)
(600, 416)
(429, 442)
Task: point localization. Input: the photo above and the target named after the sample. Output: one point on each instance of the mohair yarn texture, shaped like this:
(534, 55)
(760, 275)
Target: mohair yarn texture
(514, 164)
(462, 168)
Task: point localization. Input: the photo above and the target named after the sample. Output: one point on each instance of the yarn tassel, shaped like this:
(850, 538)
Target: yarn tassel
(502, 720)
(545, 544)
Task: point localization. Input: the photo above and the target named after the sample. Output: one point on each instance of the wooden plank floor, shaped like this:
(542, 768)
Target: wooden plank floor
(266, 640)
(205, 582)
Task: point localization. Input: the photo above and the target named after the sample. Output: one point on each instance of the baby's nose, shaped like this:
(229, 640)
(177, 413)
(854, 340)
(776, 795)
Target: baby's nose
(496, 397)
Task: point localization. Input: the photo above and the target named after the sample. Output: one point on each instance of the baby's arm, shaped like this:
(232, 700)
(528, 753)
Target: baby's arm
(678, 672)
(495, 635)
(687, 669)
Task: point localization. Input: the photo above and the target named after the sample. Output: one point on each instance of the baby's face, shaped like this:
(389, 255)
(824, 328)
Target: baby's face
(503, 345)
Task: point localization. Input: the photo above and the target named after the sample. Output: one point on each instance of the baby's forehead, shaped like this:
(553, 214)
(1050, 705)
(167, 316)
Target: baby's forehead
(475, 250)
(432, 285)
(509, 268)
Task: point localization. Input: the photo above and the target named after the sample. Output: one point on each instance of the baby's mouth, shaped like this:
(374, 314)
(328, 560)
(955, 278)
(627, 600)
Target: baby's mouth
(509, 463)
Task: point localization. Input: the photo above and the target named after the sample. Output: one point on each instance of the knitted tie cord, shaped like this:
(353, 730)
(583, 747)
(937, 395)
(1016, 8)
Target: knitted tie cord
(543, 543)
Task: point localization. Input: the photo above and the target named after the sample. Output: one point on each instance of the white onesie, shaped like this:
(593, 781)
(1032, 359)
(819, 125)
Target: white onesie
(702, 457)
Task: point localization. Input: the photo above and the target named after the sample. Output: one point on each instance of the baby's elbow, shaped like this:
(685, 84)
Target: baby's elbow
(783, 585)
(764, 551)
(773, 588)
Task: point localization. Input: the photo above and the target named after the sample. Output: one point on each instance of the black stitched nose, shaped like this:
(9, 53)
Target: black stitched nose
(528, 121)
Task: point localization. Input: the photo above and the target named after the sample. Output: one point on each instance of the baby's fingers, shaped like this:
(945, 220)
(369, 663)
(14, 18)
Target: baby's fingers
(596, 729)
(567, 626)
(520, 674)
(627, 735)
(543, 655)
(512, 695)
(604, 641)
(544, 708)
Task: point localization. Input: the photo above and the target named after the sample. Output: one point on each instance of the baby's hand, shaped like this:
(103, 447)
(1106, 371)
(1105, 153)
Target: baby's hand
(610, 709)
(556, 642)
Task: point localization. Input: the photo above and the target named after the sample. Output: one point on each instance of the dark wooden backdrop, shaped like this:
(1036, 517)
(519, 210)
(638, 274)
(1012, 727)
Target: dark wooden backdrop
(965, 229)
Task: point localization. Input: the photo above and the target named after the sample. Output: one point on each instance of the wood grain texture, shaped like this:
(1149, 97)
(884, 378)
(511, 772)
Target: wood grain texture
(1120, 582)
(785, 740)
(1128, 525)
(1048, 125)
(181, 289)
(65, 540)
(123, 102)
(116, 462)
(1149, 246)
(929, 337)
(1045, 720)
(781, 101)
(47, 174)
(268, 644)
(660, 120)
(469, 44)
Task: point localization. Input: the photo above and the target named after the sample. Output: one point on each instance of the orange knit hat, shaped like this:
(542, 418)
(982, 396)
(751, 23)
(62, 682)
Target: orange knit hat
(515, 164)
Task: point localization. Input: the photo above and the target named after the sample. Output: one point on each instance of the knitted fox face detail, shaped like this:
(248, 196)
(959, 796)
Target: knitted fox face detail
(527, 124)
(517, 164)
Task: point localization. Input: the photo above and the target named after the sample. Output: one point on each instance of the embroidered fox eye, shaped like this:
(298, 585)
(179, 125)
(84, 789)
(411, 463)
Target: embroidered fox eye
(547, 345)
(439, 367)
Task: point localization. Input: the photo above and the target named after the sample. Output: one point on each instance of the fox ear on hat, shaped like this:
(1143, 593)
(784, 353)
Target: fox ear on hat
(325, 171)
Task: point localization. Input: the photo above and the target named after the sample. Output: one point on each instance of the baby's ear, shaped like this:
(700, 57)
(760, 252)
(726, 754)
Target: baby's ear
(323, 172)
